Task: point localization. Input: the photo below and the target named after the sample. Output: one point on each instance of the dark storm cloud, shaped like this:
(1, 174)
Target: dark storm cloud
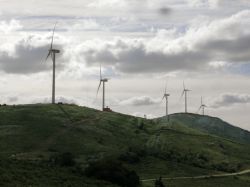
(26, 60)
(229, 99)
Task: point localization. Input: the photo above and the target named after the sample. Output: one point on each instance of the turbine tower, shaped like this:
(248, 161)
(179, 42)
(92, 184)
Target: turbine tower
(184, 92)
(166, 95)
(102, 81)
(52, 53)
(202, 107)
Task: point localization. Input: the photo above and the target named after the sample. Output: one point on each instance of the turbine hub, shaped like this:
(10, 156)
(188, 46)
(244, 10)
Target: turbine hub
(55, 50)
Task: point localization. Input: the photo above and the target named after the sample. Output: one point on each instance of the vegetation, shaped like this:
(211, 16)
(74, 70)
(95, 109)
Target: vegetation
(113, 171)
(63, 145)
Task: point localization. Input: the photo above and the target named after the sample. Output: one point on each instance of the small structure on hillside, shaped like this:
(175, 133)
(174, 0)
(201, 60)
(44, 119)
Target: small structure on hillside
(107, 109)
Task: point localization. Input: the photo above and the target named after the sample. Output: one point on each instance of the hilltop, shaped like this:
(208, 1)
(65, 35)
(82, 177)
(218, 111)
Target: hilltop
(32, 137)
(209, 125)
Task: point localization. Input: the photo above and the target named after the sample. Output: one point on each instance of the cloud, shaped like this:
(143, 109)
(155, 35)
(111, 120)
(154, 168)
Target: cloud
(140, 101)
(67, 100)
(213, 4)
(202, 43)
(26, 54)
(199, 47)
(140, 114)
(229, 99)
(165, 10)
(7, 27)
(20, 99)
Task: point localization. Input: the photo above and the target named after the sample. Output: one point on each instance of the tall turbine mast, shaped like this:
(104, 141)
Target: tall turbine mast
(184, 92)
(52, 53)
(166, 95)
(102, 81)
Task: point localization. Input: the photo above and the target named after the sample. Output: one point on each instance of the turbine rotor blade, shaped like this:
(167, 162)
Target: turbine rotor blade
(182, 93)
(100, 71)
(199, 109)
(52, 40)
(184, 85)
(98, 88)
(48, 56)
(163, 98)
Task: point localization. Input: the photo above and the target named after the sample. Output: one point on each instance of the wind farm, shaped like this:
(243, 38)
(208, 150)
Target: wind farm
(128, 93)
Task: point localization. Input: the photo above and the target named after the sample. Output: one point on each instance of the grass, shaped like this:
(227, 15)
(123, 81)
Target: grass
(239, 181)
(31, 134)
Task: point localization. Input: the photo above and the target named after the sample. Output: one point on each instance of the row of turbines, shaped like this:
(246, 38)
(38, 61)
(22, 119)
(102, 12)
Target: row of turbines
(184, 93)
(52, 53)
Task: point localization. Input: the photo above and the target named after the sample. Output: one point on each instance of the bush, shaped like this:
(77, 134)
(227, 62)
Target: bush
(63, 159)
(129, 157)
(114, 172)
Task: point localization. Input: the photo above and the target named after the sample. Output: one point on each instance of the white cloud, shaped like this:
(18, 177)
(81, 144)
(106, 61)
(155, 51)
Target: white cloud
(140, 101)
(7, 27)
(224, 40)
(108, 4)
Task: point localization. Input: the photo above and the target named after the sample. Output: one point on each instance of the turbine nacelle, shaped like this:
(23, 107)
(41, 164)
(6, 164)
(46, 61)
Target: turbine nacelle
(54, 51)
(166, 95)
(104, 80)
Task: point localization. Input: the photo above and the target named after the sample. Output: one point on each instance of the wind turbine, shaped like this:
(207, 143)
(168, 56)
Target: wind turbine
(203, 106)
(185, 92)
(102, 81)
(166, 95)
(52, 53)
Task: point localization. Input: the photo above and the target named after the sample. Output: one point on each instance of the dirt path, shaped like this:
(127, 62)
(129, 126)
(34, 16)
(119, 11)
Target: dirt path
(203, 176)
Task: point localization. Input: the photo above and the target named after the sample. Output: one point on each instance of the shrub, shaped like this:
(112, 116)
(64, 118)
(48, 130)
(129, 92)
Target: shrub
(63, 159)
(114, 172)
(129, 157)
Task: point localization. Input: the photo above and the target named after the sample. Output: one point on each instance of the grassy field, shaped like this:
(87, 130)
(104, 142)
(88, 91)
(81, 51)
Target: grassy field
(30, 135)
(238, 181)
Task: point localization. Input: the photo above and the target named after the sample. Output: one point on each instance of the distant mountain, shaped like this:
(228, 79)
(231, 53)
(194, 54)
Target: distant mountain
(211, 125)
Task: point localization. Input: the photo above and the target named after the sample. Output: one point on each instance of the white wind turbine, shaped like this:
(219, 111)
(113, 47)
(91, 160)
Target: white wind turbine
(102, 81)
(52, 53)
(184, 92)
(202, 107)
(166, 95)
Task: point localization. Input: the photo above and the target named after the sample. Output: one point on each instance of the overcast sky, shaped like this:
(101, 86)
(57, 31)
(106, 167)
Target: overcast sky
(142, 45)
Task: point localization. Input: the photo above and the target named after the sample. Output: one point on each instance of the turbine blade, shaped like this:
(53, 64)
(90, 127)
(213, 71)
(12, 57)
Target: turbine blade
(52, 40)
(163, 98)
(199, 109)
(48, 56)
(182, 94)
(166, 86)
(98, 88)
(201, 101)
(100, 71)
(184, 85)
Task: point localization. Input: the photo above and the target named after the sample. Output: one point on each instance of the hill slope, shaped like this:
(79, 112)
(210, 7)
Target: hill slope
(211, 125)
(32, 135)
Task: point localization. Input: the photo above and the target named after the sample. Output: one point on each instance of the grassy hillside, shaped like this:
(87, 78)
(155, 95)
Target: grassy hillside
(210, 125)
(31, 136)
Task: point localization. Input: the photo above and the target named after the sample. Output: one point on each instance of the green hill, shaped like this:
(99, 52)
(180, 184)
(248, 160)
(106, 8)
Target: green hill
(34, 140)
(210, 125)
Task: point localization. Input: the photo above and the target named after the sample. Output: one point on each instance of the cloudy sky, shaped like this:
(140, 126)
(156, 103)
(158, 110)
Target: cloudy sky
(142, 46)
